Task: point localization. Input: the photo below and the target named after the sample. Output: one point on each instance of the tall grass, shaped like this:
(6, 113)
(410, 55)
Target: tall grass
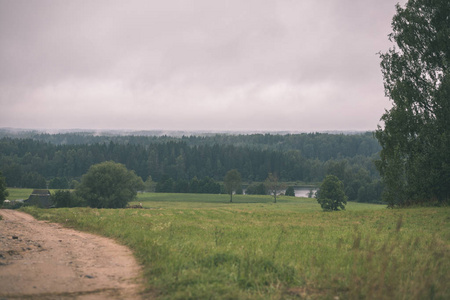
(201, 247)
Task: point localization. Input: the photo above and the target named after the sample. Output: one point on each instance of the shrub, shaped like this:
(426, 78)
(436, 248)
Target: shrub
(109, 185)
(67, 199)
(256, 189)
(290, 191)
(331, 195)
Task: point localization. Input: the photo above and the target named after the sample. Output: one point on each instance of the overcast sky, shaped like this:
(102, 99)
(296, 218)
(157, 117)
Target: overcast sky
(269, 65)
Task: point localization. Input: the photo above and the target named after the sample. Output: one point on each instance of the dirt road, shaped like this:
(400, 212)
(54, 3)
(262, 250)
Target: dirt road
(40, 260)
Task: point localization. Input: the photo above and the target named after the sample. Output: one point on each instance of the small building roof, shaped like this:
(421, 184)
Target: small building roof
(41, 192)
(40, 197)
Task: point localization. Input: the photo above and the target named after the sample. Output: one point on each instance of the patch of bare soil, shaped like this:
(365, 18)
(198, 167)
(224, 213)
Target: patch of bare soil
(41, 260)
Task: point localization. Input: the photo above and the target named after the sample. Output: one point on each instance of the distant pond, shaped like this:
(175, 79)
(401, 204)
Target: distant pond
(302, 192)
(299, 191)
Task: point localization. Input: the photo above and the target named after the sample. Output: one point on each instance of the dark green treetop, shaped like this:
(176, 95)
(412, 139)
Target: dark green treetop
(109, 185)
(331, 195)
(290, 191)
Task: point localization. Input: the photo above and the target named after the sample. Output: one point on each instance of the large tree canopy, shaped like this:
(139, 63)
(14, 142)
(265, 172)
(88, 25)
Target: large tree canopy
(415, 156)
(109, 185)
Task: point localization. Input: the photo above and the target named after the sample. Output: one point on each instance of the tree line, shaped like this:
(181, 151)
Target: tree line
(34, 163)
(206, 185)
(322, 146)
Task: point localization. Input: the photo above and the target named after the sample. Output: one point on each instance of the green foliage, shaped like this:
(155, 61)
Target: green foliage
(205, 186)
(165, 185)
(3, 192)
(199, 247)
(109, 185)
(34, 180)
(233, 183)
(239, 190)
(74, 184)
(58, 183)
(296, 157)
(208, 186)
(67, 199)
(370, 192)
(321, 146)
(415, 158)
(256, 189)
(331, 195)
(356, 177)
(273, 185)
(149, 184)
(290, 191)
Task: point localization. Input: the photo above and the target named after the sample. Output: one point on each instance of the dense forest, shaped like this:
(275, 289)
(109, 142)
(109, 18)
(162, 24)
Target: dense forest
(32, 159)
(323, 146)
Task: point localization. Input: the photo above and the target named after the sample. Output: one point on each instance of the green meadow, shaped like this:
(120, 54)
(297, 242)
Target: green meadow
(197, 246)
(16, 193)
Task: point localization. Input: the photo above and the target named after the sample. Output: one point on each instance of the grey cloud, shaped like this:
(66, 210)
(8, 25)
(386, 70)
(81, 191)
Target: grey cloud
(214, 55)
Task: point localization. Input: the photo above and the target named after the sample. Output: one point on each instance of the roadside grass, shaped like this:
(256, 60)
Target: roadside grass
(202, 247)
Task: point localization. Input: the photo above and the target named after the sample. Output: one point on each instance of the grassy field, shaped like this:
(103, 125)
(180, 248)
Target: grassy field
(202, 247)
(15, 193)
